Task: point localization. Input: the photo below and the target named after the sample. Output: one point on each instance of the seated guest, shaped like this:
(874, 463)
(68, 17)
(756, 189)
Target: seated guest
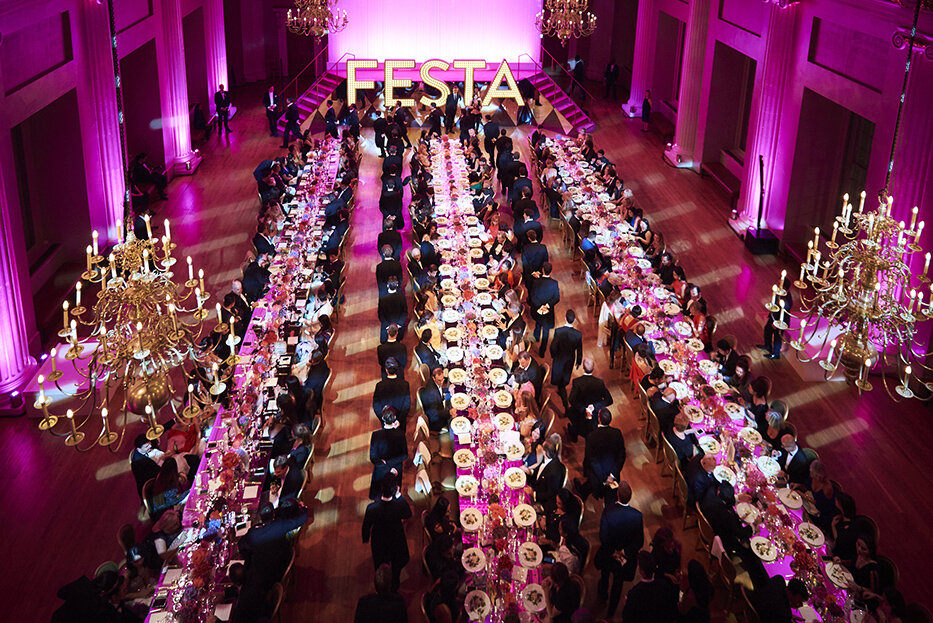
(759, 391)
(533, 370)
(169, 489)
(630, 319)
(636, 336)
(774, 599)
(426, 353)
(266, 547)
(682, 440)
(262, 241)
(845, 529)
(442, 603)
(666, 551)
(718, 506)
(572, 547)
(145, 461)
(563, 594)
(821, 492)
(794, 460)
(696, 597)
(726, 357)
(699, 477)
(256, 277)
(434, 397)
(383, 606)
(437, 521)
(774, 429)
(439, 557)
(654, 598)
(388, 450)
(336, 235)
(318, 373)
(301, 446)
(392, 391)
(654, 381)
(290, 476)
(666, 407)
(415, 267)
(393, 309)
(666, 269)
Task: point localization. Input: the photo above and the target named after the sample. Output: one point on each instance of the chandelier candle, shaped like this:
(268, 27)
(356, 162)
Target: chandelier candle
(94, 241)
(148, 226)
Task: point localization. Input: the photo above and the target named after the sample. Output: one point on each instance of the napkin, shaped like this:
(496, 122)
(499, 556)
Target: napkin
(161, 617)
(222, 611)
(171, 576)
(250, 492)
(464, 439)
(519, 573)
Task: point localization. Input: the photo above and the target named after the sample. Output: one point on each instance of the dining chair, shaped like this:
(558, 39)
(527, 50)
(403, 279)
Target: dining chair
(888, 573)
(868, 525)
(643, 400)
(276, 596)
(445, 448)
(424, 564)
(582, 509)
(288, 575)
(652, 429)
(670, 456)
(706, 533)
(681, 493)
(578, 580)
(424, 601)
(918, 613)
(146, 492)
(423, 483)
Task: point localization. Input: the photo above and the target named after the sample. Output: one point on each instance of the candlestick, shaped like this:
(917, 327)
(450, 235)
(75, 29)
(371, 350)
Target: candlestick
(913, 217)
(919, 231)
(145, 261)
(168, 232)
(783, 279)
(106, 436)
(861, 203)
(139, 333)
(781, 319)
(120, 230)
(803, 270)
(913, 299)
(171, 311)
(78, 294)
(864, 370)
(113, 267)
(816, 237)
(809, 252)
(75, 437)
(871, 224)
(845, 201)
(41, 380)
(190, 270)
(89, 251)
(94, 241)
(197, 295)
(773, 296)
(201, 279)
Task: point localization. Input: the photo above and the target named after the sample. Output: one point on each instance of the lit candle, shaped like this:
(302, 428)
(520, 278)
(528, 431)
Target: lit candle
(832, 350)
(906, 376)
(201, 279)
(214, 372)
(217, 307)
(103, 416)
(913, 218)
(197, 296)
(816, 237)
(190, 269)
(52, 357)
(78, 294)
(865, 369)
(168, 231)
(94, 237)
(65, 315)
(89, 250)
(803, 269)
(113, 267)
(919, 231)
(816, 262)
(148, 226)
(871, 224)
(920, 301)
(888, 211)
(71, 418)
(913, 299)
(781, 319)
(139, 333)
(171, 311)
(74, 332)
(835, 229)
(926, 263)
(774, 290)
(41, 380)
(845, 201)
(809, 252)
(145, 261)
(861, 203)
(120, 231)
(783, 279)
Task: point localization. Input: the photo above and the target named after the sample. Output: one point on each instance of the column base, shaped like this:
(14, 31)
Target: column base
(13, 399)
(186, 165)
(675, 156)
(632, 109)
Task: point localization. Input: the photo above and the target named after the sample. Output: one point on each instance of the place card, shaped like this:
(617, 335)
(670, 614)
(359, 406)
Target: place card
(293, 340)
(171, 576)
(250, 492)
(161, 617)
(519, 573)
(465, 439)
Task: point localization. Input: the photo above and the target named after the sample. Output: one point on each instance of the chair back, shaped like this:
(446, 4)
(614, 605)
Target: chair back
(706, 531)
(146, 493)
(670, 455)
(867, 525)
(276, 596)
(423, 483)
(918, 613)
(888, 573)
(578, 580)
(653, 427)
(422, 455)
(751, 615)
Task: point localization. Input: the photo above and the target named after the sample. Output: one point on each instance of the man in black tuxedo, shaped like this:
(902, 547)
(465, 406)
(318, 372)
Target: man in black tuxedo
(520, 183)
(384, 530)
(330, 120)
(524, 204)
(390, 201)
(509, 167)
(255, 278)
(393, 309)
(450, 109)
(718, 506)
(401, 117)
(383, 606)
(392, 160)
(390, 236)
(335, 237)
(222, 103)
(426, 353)
(621, 536)
(262, 242)
(242, 305)
(289, 475)
(318, 373)
(654, 598)
(699, 477)
(434, 121)
(394, 392)
(503, 146)
(588, 395)
(794, 461)
(603, 457)
(666, 406)
(388, 450)
(533, 371)
(543, 297)
(353, 120)
(292, 119)
(271, 102)
(726, 357)
(774, 598)
(611, 76)
(566, 354)
(523, 230)
(434, 398)
(380, 126)
(490, 136)
(266, 548)
(392, 348)
(534, 256)
(548, 477)
(388, 269)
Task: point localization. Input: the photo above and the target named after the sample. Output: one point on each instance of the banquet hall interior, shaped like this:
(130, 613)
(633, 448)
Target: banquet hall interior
(432, 310)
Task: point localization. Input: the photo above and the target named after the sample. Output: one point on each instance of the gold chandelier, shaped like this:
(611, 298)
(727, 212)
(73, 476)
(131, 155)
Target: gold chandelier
(565, 19)
(316, 17)
(137, 336)
(863, 298)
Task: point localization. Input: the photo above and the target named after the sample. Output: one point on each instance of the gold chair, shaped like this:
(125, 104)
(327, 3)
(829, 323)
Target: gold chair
(670, 456)
(751, 615)
(578, 580)
(276, 596)
(681, 493)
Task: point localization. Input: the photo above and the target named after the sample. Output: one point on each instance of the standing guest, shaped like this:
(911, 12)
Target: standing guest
(588, 394)
(490, 135)
(222, 103)
(380, 126)
(434, 121)
(383, 606)
(621, 536)
(271, 102)
(578, 67)
(774, 337)
(603, 458)
(292, 116)
(646, 111)
(653, 599)
(330, 120)
(384, 530)
(450, 109)
(612, 76)
(548, 477)
(566, 354)
(388, 450)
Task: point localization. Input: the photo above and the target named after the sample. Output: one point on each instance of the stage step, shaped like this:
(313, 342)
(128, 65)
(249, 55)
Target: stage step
(562, 102)
(311, 99)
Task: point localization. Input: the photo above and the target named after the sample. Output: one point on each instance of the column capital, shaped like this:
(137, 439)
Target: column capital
(783, 4)
(922, 42)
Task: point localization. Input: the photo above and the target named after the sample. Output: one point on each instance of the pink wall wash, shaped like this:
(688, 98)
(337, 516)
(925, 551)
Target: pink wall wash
(449, 29)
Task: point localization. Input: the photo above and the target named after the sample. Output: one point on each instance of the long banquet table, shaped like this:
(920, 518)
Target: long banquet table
(784, 539)
(226, 490)
(501, 553)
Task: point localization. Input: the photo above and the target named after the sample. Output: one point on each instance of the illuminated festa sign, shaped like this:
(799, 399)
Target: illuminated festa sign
(495, 90)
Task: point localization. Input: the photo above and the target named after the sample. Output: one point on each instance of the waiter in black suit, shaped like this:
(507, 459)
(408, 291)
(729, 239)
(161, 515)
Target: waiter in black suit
(450, 109)
(543, 297)
(491, 135)
(566, 354)
(330, 120)
(380, 125)
(394, 392)
(390, 236)
(434, 398)
(534, 256)
(271, 102)
(393, 309)
(384, 530)
(525, 204)
(292, 116)
(603, 458)
(392, 348)
(588, 395)
(503, 146)
(611, 76)
(388, 450)
(389, 268)
(222, 103)
(523, 230)
(434, 121)
(621, 536)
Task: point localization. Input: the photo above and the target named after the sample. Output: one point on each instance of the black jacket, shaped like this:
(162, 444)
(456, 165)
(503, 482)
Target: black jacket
(604, 454)
(566, 352)
(384, 531)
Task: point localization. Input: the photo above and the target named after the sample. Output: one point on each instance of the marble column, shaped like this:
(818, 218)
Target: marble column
(173, 83)
(682, 151)
(770, 131)
(215, 49)
(100, 126)
(646, 37)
